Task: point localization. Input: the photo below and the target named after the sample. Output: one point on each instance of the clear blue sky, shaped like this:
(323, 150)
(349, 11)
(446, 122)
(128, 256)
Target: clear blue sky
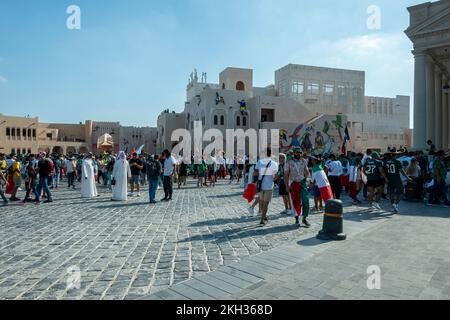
(132, 58)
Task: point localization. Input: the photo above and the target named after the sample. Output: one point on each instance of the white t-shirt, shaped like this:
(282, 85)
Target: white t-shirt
(69, 166)
(267, 171)
(335, 168)
(168, 166)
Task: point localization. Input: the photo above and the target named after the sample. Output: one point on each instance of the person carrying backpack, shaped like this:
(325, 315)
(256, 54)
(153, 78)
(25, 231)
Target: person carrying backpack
(153, 169)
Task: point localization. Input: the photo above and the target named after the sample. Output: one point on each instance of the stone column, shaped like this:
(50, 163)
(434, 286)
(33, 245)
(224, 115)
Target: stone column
(438, 108)
(445, 119)
(420, 101)
(430, 111)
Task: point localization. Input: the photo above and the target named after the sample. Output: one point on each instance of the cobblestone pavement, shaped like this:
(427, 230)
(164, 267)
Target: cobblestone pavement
(412, 251)
(126, 250)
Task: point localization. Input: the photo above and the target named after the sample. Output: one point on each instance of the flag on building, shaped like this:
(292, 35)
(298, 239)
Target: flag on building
(346, 138)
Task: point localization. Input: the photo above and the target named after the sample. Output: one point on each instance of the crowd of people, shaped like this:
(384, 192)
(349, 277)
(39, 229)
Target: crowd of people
(394, 175)
(38, 175)
(295, 176)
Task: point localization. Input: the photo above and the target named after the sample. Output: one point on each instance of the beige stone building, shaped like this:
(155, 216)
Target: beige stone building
(21, 135)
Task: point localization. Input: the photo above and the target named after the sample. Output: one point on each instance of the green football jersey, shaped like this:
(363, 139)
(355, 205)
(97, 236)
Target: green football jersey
(372, 169)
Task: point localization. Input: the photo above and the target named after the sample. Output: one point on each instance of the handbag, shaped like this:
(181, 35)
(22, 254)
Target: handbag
(113, 181)
(260, 181)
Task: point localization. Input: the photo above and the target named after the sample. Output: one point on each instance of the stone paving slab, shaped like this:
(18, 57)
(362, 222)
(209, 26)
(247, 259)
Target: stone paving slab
(411, 250)
(131, 249)
(271, 264)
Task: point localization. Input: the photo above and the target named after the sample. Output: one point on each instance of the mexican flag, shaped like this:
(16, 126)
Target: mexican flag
(322, 182)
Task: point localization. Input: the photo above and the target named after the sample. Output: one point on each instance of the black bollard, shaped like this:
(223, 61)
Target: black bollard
(333, 222)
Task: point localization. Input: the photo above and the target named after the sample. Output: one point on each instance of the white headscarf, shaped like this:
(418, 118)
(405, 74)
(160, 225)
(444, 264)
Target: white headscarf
(122, 156)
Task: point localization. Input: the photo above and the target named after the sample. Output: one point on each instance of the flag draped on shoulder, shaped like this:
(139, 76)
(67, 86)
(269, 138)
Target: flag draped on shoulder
(322, 182)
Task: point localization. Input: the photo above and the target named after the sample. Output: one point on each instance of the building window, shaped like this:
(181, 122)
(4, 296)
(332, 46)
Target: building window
(267, 115)
(24, 151)
(13, 132)
(298, 88)
(244, 121)
(18, 132)
(357, 100)
(328, 89)
(313, 88)
(24, 133)
(216, 120)
(8, 132)
(223, 86)
(391, 110)
(13, 151)
(238, 121)
(222, 120)
(29, 151)
(34, 133)
(240, 86)
(282, 88)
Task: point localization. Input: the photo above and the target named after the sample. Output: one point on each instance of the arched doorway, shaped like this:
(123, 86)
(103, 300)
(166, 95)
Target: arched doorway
(83, 150)
(240, 86)
(44, 149)
(71, 150)
(58, 150)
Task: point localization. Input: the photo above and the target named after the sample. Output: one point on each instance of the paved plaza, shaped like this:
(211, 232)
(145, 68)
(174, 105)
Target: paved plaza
(203, 245)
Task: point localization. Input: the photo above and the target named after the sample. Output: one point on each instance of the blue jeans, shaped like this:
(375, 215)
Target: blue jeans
(55, 181)
(153, 186)
(43, 184)
(2, 194)
(439, 188)
(107, 179)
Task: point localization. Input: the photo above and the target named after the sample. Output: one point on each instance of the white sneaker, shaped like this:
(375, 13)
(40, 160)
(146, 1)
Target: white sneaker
(377, 206)
(373, 207)
(395, 208)
(251, 211)
(139, 194)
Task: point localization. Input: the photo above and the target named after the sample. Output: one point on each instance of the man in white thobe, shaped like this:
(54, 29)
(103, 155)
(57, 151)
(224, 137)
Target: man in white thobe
(88, 187)
(121, 173)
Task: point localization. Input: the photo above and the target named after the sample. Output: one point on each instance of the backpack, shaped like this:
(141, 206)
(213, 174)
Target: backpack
(152, 169)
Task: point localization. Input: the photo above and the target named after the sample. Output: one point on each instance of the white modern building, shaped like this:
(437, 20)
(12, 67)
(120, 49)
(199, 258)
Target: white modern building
(429, 30)
(300, 94)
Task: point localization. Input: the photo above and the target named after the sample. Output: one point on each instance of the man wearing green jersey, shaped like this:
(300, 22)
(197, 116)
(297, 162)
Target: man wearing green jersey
(373, 169)
(393, 168)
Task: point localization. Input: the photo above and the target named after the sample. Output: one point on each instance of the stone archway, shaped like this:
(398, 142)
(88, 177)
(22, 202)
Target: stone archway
(83, 150)
(57, 150)
(71, 150)
(240, 86)
(44, 149)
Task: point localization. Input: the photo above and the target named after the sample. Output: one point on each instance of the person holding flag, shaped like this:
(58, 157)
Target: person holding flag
(296, 170)
(320, 179)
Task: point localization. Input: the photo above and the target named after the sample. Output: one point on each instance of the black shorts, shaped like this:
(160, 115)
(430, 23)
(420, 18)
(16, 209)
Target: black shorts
(375, 183)
(396, 188)
(282, 189)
